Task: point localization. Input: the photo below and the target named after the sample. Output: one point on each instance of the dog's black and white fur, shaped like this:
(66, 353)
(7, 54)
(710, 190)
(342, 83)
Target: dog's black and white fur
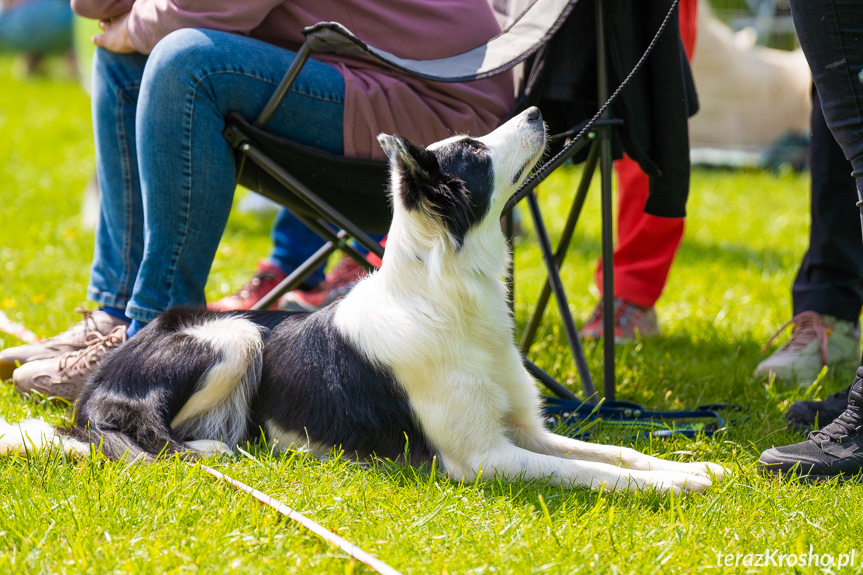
(418, 358)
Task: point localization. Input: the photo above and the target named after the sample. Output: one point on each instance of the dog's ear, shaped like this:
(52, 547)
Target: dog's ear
(393, 146)
(415, 161)
(420, 170)
(425, 187)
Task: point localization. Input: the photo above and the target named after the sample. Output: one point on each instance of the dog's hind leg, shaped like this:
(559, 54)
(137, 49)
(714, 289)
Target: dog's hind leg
(218, 410)
(208, 447)
(188, 376)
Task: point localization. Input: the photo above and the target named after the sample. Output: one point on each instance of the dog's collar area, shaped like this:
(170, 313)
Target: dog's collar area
(518, 174)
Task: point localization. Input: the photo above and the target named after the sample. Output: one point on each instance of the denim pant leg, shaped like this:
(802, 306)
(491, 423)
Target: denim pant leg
(294, 243)
(192, 80)
(120, 229)
(830, 279)
(830, 33)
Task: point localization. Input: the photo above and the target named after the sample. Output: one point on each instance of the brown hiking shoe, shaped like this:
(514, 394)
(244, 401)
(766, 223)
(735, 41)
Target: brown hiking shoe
(65, 376)
(73, 339)
(631, 321)
(816, 340)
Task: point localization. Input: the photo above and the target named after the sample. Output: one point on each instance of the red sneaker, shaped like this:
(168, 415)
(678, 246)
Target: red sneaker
(336, 285)
(266, 277)
(630, 322)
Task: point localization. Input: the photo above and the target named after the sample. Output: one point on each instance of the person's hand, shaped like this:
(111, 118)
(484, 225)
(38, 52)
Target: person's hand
(114, 36)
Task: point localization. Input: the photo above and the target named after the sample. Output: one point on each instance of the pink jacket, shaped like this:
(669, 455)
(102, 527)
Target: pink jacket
(377, 99)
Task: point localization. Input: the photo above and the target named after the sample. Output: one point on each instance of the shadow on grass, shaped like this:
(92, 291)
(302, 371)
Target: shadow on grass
(732, 254)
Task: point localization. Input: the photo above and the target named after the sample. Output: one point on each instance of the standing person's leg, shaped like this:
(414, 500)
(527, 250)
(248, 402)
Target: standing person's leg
(646, 244)
(830, 280)
(829, 33)
(193, 79)
(828, 291)
(35, 29)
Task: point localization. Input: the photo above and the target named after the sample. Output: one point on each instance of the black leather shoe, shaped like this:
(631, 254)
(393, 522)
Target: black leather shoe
(836, 450)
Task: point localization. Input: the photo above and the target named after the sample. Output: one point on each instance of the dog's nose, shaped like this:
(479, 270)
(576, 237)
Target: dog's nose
(533, 114)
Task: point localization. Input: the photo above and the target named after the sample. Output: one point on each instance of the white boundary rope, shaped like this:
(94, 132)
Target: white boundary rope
(325, 534)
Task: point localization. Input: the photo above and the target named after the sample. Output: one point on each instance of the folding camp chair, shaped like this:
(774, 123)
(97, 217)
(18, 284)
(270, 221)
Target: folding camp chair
(319, 188)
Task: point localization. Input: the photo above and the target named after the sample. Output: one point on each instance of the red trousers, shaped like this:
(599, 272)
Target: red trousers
(646, 244)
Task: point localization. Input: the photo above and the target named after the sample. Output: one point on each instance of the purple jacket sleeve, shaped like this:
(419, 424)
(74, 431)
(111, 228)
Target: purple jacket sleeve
(101, 9)
(152, 20)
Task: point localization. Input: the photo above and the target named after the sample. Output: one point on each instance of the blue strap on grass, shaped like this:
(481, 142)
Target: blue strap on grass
(582, 417)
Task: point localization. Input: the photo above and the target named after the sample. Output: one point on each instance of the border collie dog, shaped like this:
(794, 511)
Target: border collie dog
(418, 359)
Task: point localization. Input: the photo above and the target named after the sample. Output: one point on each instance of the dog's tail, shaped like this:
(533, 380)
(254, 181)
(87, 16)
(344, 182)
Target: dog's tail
(189, 376)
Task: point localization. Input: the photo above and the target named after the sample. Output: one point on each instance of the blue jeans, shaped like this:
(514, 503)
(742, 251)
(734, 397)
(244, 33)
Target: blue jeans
(294, 243)
(167, 175)
(37, 26)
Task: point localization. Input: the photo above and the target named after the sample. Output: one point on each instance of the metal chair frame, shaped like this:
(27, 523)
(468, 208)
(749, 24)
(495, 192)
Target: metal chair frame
(337, 229)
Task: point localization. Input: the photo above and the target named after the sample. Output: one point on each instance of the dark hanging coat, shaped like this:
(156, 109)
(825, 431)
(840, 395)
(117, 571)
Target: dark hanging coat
(655, 105)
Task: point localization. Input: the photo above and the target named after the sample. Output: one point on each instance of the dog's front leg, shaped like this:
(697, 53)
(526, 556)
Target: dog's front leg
(513, 462)
(560, 446)
(529, 432)
(462, 417)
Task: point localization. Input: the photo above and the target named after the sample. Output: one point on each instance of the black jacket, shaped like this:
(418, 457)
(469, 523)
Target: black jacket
(655, 105)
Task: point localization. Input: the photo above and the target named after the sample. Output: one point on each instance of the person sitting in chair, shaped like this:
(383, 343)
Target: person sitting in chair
(165, 76)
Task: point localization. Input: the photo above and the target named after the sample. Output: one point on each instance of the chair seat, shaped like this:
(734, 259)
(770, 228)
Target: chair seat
(354, 187)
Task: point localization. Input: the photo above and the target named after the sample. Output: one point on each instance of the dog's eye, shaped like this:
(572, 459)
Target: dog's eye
(473, 146)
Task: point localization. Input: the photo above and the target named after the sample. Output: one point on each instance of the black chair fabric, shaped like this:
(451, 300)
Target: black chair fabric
(350, 185)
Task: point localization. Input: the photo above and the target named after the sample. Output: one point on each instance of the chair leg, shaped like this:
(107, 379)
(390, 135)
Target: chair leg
(559, 295)
(533, 323)
(335, 241)
(608, 383)
(605, 168)
(284, 85)
(548, 381)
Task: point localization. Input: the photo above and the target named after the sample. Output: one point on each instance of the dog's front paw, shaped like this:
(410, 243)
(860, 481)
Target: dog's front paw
(670, 481)
(686, 482)
(703, 468)
(712, 470)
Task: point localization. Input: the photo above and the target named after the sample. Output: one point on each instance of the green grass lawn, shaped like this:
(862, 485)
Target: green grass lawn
(728, 291)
